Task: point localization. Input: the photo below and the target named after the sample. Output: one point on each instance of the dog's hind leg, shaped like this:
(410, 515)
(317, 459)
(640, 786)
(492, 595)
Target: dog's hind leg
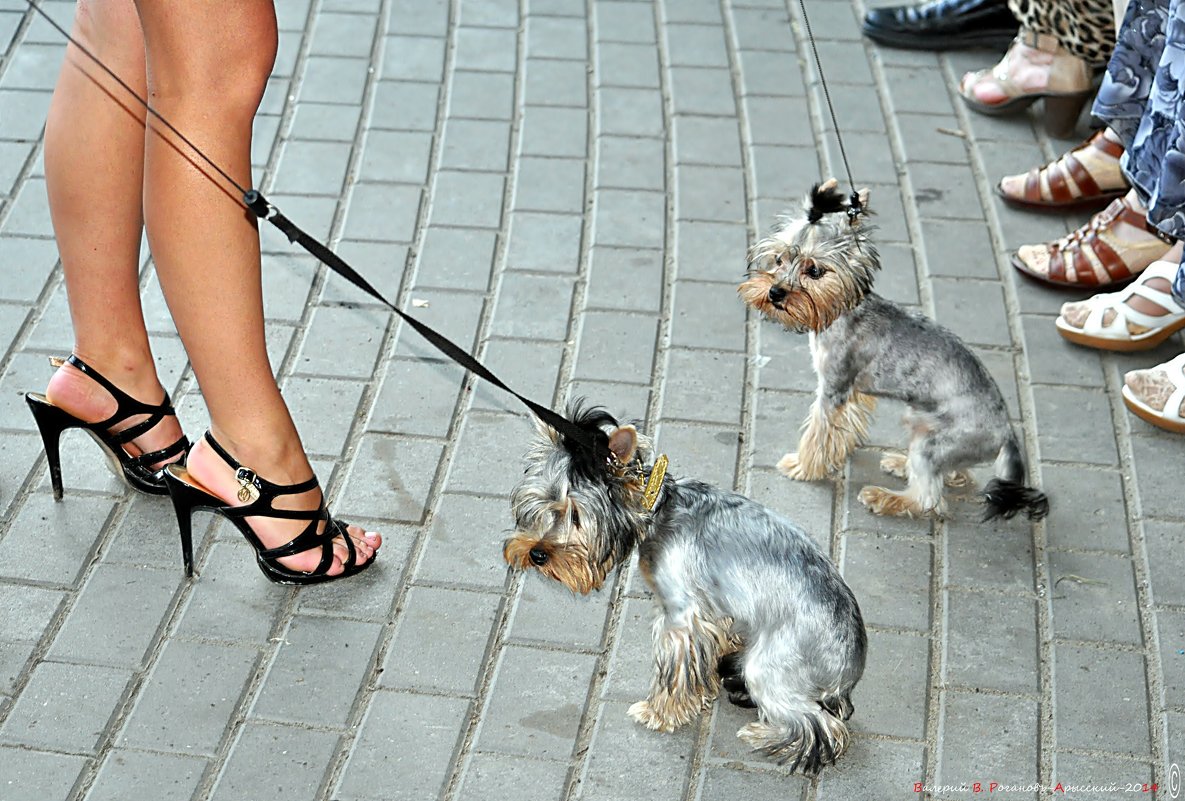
(686, 656)
(829, 434)
(923, 496)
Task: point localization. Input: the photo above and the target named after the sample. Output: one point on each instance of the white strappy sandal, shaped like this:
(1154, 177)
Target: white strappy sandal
(1116, 334)
(1169, 418)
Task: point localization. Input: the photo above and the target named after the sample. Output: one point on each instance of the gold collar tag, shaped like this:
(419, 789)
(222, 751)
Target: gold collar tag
(654, 483)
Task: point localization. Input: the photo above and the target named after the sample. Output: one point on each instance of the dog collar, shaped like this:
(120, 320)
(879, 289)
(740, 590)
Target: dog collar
(654, 482)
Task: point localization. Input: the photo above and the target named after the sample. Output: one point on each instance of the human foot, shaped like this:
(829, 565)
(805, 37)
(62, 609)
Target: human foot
(1157, 396)
(1035, 66)
(1115, 246)
(1139, 317)
(78, 389)
(1088, 174)
(216, 473)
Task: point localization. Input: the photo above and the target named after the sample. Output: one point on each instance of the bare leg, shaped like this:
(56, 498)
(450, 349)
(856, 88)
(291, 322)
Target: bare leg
(94, 152)
(207, 65)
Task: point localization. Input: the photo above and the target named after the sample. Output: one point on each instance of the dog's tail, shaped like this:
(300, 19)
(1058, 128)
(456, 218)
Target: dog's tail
(1007, 494)
(809, 739)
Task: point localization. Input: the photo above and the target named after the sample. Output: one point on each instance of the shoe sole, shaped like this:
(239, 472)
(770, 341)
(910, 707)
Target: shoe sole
(1079, 337)
(1081, 202)
(936, 41)
(1151, 416)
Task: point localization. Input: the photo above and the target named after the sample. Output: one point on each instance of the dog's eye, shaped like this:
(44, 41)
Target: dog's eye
(813, 271)
(538, 557)
(778, 259)
(575, 517)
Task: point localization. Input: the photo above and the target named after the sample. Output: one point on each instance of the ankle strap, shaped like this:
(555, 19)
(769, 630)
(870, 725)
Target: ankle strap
(125, 404)
(245, 474)
(1045, 42)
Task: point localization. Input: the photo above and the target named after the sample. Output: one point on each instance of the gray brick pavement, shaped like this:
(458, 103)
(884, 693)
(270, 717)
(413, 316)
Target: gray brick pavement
(570, 187)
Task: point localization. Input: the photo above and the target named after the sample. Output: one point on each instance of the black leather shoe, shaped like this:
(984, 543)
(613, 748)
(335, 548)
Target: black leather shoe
(943, 25)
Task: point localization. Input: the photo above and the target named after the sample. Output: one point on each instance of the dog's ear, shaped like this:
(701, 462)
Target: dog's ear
(863, 195)
(623, 443)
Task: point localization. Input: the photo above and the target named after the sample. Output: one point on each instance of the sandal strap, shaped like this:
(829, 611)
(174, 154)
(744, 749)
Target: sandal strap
(125, 404)
(1100, 142)
(266, 488)
(1087, 186)
(145, 460)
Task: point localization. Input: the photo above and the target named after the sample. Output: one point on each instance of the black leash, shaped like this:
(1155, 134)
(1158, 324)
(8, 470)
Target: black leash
(595, 441)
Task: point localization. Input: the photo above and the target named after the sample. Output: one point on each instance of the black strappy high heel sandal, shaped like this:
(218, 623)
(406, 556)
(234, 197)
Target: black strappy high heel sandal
(137, 471)
(188, 495)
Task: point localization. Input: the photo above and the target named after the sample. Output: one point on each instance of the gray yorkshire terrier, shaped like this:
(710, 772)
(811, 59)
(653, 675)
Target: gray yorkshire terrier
(742, 591)
(814, 274)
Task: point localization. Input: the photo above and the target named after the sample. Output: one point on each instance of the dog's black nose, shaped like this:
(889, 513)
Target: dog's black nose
(776, 294)
(538, 557)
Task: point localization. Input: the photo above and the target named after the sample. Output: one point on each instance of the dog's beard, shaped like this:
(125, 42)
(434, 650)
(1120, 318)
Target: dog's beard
(802, 309)
(567, 563)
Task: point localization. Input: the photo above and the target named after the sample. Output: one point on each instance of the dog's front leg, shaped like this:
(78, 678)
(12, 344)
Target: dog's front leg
(832, 430)
(685, 679)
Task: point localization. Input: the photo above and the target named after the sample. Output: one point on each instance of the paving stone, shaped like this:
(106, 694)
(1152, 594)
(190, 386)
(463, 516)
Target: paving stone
(463, 544)
(187, 700)
(696, 45)
(536, 703)
(723, 330)
(1081, 774)
(65, 707)
(621, 64)
(626, 218)
(35, 775)
(324, 122)
(707, 453)
(710, 251)
(343, 34)
(382, 212)
(391, 477)
(701, 90)
(396, 156)
(302, 686)
(991, 642)
(63, 534)
(545, 242)
(491, 49)
(276, 762)
(1170, 627)
(550, 82)
(626, 279)
(394, 741)
(333, 403)
(623, 22)
(368, 596)
(440, 641)
(955, 300)
(728, 781)
(890, 698)
(36, 259)
(487, 444)
(958, 248)
(438, 265)
(475, 145)
(496, 776)
(891, 577)
(1104, 722)
(556, 37)
(623, 751)
(490, 13)
(23, 113)
(548, 614)
(549, 184)
(782, 174)
(1154, 457)
(332, 79)
(140, 774)
(629, 112)
(230, 600)
(1008, 756)
(467, 199)
(404, 105)
(528, 367)
(767, 72)
(334, 331)
(702, 386)
(873, 763)
(417, 397)
(996, 555)
(413, 17)
(481, 95)
(709, 193)
(553, 131)
(1165, 543)
(86, 636)
(1094, 598)
(615, 347)
(1067, 423)
(413, 58)
(1053, 360)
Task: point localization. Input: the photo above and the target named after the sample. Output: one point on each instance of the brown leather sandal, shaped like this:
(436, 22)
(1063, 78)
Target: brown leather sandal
(1091, 256)
(1069, 184)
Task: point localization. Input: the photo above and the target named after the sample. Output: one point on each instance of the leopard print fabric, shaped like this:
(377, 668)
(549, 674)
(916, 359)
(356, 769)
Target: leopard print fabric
(1084, 28)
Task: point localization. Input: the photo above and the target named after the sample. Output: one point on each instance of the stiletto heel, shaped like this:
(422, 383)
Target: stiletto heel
(136, 471)
(258, 496)
(51, 422)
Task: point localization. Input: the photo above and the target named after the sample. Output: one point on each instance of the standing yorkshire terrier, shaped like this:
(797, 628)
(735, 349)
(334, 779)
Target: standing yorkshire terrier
(815, 274)
(741, 589)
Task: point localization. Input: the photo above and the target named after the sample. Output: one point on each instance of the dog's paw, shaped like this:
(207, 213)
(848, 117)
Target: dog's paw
(793, 467)
(959, 479)
(643, 713)
(881, 501)
(895, 463)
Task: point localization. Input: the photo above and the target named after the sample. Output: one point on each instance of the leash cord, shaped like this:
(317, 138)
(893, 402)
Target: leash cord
(259, 205)
(855, 200)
